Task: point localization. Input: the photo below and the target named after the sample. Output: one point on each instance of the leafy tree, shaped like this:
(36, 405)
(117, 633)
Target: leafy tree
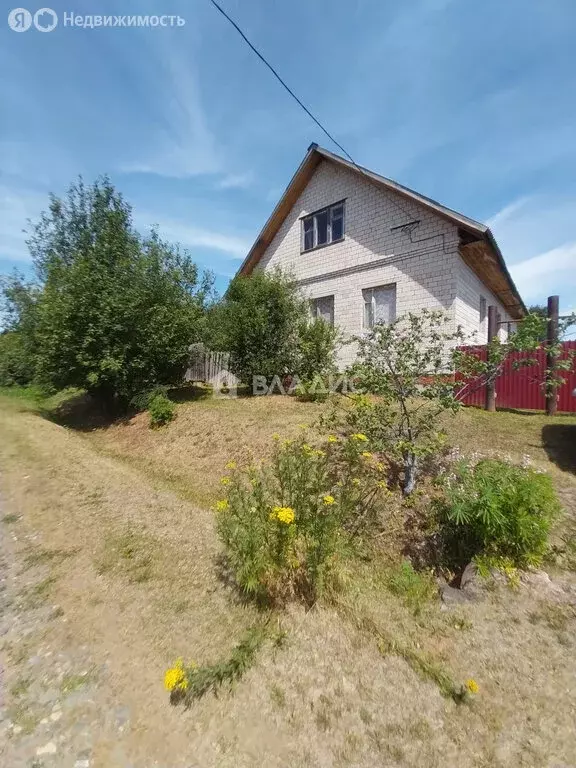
(113, 312)
(407, 364)
(258, 323)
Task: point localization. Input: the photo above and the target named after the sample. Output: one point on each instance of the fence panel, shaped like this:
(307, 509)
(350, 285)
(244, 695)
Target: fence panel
(524, 387)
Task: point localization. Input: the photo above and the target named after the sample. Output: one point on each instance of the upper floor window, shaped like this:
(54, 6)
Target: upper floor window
(379, 305)
(323, 227)
(323, 308)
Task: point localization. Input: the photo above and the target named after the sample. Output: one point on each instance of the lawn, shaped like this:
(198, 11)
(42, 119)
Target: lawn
(113, 526)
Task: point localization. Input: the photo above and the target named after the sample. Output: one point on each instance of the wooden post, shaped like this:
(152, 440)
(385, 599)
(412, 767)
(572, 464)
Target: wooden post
(490, 404)
(551, 341)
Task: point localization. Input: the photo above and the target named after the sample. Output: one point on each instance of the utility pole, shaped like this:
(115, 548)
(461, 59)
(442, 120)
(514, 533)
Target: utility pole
(551, 343)
(490, 404)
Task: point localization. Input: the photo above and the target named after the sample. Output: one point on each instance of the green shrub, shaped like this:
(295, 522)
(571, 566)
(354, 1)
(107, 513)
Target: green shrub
(288, 527)
(316, 349)
(16, 366)
(415, 589)
(161, 410)
(498, 509)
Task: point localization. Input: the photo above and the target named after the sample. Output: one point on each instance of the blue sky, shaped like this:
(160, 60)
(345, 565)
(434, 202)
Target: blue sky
(473, 104)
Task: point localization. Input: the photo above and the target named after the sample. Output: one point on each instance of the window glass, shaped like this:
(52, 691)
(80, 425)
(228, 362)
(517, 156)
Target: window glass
(321, 228)
(379, 305)
(308, 234)
(337, 222)
(324, 309)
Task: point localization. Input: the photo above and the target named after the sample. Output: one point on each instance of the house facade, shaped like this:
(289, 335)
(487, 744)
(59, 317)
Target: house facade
(366, 249)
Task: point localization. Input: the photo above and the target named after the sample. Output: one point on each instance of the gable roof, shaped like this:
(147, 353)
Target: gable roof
(479, 248)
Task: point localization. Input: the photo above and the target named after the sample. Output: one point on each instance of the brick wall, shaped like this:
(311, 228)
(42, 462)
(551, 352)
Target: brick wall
(424, 265)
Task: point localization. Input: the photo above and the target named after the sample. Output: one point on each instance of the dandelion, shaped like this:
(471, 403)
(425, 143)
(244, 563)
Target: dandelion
(360, 437)
(225, 480)
(328, 500)
(175, 677)
(367, 454)
(222, 505)
(332, 439)
(472, 686)
(283, 515)
(231, 465)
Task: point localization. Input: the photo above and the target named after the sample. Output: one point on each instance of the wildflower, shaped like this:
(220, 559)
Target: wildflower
(359, 436)
(275, 436)
(367, 454)
(225, 480)
(328, 500)
(472, 686)
(332, 439)
(382, 484)
(231, 465)
(319, 452)
(175, 677)
(222, 505)
(287, 443)
(355, 481)
(380, 466)
(283, 515)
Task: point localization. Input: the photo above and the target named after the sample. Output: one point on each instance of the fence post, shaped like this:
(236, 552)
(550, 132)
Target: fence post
(490, 404)
(551, 342)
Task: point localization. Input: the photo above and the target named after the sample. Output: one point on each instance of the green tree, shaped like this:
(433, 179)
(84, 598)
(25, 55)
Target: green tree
(113, 312)
(258, 323)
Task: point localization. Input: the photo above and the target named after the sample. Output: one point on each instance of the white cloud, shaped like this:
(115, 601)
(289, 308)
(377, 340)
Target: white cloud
(507, 212)
(192, 236)
(548, 273)
(236, 181)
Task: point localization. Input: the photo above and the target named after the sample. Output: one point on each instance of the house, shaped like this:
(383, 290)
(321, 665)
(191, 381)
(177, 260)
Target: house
(366, 249)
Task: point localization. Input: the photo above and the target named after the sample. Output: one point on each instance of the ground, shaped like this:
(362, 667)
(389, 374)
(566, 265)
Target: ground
(110, 571)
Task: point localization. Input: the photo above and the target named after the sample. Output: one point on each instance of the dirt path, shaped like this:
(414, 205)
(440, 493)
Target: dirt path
(107, 578)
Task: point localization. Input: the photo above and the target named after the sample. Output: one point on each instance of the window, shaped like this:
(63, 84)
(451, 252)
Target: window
(379, 305)
(323, 308)
(323, 227)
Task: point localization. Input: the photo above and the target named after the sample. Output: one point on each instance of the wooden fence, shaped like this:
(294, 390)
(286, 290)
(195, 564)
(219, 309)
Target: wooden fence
(209, 367)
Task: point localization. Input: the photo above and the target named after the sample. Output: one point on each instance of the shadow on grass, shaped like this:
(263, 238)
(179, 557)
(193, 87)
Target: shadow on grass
(559, 441)
(84, 413)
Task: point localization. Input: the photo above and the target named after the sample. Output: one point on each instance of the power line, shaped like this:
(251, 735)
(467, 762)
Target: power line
(299, 102)
(280, 80)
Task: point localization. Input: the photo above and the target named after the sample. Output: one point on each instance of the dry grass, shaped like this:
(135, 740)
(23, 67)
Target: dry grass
(125, 533)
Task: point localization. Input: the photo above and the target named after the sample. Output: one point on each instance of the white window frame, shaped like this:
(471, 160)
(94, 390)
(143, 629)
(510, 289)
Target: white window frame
(329, 209)
(370, 292)
(314, 307)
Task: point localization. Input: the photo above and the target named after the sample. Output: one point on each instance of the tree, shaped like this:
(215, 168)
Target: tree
(407, 365)
(258, 323)
(113, 312)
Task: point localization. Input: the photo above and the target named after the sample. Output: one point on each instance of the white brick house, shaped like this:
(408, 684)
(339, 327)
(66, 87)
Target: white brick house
(365, 248)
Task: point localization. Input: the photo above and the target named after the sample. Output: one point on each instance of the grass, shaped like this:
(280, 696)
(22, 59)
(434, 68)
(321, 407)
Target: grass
(39, 593)
(132, 505)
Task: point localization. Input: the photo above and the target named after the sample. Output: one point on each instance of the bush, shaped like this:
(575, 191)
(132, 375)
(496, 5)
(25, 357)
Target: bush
(415, 589)
(257, 323)
(316, 349)
(289, 527)
(161, 410)
(16, 366)
(498, 509)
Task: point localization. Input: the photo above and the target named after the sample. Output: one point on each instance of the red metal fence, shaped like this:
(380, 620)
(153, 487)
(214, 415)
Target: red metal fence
(524, 387)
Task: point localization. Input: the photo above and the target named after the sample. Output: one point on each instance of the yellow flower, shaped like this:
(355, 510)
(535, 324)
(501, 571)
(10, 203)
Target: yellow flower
(380, 466)
(472, 686)
(222, 505)
(319, 452)
(360, 436)
(328, 500)
(275, 436)
(231, 465)
(332, 439)
(382, 484)
(225, 480)
(287, 443)
(355, 481)
(367, 454)
(283, 515)
(175, 677)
